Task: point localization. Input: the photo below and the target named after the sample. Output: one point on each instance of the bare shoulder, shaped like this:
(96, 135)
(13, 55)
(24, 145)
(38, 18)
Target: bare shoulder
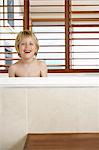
(42, 63)
(12, 67)
(12, 70)
(43, 68)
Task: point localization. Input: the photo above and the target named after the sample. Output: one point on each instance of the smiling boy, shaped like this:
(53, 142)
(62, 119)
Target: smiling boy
(27, 47)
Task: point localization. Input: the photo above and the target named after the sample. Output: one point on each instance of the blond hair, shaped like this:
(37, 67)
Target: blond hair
(26, 33)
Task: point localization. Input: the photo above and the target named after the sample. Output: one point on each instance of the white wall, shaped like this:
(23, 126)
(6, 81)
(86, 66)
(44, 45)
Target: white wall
(25, 110)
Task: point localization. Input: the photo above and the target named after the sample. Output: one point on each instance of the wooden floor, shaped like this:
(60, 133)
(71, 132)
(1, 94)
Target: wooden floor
(69, 141)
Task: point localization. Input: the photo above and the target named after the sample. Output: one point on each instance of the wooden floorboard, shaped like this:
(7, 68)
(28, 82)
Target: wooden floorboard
(62, 141)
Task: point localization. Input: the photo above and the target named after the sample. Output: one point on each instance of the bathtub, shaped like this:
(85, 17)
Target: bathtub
(66, 103)
(53, 80)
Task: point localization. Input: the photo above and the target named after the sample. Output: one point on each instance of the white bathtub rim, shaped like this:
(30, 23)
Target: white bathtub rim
(62, 81)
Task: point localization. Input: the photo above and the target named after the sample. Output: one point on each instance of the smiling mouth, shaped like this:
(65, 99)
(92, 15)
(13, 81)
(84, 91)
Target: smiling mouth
(27, 51)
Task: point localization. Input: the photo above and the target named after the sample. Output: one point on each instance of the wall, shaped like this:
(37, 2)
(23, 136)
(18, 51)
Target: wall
(33, 110)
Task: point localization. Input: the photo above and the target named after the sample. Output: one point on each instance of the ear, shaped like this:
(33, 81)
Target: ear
(19, 55)
(35, 53)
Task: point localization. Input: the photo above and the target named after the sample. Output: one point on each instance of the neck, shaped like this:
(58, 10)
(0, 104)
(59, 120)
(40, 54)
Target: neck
(25, 61)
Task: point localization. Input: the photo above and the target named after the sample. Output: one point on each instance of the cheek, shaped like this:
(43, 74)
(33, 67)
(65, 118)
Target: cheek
(21, 48)
(34, 48)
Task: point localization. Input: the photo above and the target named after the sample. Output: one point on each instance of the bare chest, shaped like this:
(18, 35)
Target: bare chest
(28, 71)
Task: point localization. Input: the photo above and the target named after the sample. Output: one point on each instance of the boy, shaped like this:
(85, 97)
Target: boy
(27, 46)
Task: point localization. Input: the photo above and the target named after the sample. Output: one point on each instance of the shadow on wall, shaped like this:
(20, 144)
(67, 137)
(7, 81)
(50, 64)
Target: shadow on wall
(19, 145)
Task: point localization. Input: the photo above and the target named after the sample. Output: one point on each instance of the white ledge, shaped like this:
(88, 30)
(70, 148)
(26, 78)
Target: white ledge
(63, 81)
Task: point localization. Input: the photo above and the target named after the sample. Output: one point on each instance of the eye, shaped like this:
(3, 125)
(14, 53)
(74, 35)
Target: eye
(22, 43)
(31, 43)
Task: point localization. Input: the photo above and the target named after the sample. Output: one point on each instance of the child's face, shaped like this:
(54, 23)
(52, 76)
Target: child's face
(27, 48)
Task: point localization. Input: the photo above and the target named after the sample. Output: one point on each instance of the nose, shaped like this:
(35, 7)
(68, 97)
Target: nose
(27, 45)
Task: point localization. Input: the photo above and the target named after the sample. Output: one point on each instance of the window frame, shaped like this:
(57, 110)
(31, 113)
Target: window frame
(67, 20)
(68, 13)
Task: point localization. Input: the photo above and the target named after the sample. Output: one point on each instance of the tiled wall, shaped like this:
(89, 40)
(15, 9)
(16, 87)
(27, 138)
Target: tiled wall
(34, 110)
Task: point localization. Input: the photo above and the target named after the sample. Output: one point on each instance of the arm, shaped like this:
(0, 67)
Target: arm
(43, 67)
(11, 71)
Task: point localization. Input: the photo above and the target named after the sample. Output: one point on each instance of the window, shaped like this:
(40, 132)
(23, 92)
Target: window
(48, 23)
(8, 55)
(68, 32)
(76, 48)
(11, 22)
(10, 12)
(84, 40)
(51, 36)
